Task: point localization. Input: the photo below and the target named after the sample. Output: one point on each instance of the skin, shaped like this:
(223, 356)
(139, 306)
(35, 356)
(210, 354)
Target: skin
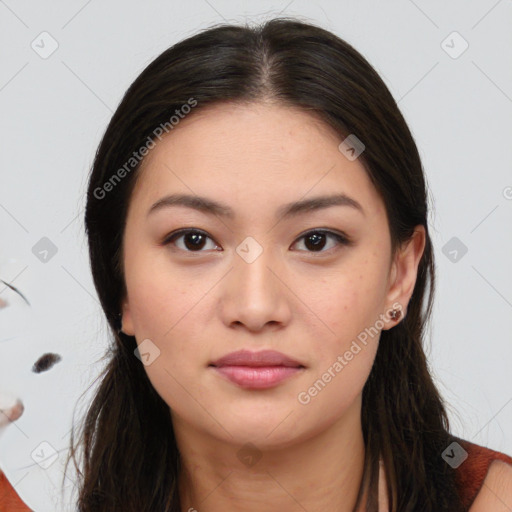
(496, 492)
(198, 306)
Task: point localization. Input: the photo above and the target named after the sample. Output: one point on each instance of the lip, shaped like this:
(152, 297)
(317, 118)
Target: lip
(257, 370)
(257, 359)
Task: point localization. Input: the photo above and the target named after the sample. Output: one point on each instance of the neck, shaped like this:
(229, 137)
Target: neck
(320, 473)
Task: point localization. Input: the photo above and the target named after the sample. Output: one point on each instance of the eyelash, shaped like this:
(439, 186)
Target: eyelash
(341, 239)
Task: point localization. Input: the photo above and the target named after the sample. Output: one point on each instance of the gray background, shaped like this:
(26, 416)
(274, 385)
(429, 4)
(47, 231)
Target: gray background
(56, 106)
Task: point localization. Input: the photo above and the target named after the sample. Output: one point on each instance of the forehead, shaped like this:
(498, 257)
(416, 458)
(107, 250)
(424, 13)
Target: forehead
(253, 152)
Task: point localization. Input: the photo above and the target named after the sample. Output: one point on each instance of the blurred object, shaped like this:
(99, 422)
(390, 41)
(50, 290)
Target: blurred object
(3, 303)
(10, 410)
(45, 362)
(36, 395)
(15, 308)
(8, 415)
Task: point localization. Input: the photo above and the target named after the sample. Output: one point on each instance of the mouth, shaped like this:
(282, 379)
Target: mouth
(257, 370)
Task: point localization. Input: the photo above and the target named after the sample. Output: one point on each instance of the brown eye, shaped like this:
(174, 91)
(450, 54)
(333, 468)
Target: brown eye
(45, 362)
(317, 241)
(192, 240)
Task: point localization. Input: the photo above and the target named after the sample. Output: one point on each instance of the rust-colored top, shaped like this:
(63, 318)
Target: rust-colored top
(470, 476)
(9, 500)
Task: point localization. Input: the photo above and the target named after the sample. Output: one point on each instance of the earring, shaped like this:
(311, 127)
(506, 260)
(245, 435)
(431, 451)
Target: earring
(395, 314)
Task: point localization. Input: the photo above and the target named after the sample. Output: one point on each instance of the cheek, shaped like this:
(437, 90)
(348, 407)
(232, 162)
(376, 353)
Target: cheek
(348, 304)
(160, 300)
(344, 358)
(177, 338)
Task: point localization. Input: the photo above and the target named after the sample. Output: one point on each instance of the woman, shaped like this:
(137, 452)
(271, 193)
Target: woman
(257, 223)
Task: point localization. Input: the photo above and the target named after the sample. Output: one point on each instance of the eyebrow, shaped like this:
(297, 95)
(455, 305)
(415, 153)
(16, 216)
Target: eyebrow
(212, 207)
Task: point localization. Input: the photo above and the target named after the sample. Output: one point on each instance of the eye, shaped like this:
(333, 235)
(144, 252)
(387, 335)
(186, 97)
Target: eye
(316, 241)
(193, 240)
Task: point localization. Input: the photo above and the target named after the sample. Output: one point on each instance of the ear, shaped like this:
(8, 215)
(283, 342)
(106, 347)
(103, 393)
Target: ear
(127, 319)
(404, 270)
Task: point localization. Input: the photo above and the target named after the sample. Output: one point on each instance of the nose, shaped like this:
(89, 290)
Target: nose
(254, 294)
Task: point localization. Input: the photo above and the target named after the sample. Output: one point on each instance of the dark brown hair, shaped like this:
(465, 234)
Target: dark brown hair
(130, 457)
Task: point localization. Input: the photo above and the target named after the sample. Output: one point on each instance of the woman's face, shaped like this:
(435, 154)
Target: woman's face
(254, 278)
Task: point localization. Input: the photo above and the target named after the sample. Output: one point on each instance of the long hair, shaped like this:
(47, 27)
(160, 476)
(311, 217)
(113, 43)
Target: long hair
(130, 458)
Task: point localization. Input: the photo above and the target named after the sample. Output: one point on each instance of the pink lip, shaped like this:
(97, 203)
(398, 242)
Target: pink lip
(257, 370)
(255, 359)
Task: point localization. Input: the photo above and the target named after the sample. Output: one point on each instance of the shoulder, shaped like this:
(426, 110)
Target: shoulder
(495, 495)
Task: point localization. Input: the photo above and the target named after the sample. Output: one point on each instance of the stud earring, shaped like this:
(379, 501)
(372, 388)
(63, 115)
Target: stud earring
(395, 314)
